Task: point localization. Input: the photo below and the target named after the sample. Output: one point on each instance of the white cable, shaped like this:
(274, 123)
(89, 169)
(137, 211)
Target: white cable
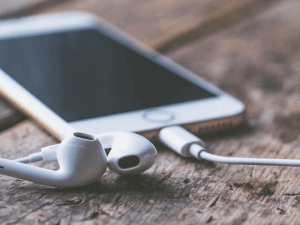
(246, 161)
(187, 144)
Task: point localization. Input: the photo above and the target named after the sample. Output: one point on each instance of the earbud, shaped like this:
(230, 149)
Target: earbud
(81, 159)
(130, 153)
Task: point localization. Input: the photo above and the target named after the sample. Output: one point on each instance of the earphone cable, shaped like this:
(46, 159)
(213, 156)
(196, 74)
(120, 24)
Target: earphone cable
(200, 153)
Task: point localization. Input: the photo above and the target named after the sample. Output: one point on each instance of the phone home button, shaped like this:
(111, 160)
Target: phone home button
(159, 115)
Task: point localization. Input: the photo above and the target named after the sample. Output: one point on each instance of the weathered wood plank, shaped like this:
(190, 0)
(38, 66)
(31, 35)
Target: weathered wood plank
(164, 24)
(17, 6)
(9, 116)
(18, 140)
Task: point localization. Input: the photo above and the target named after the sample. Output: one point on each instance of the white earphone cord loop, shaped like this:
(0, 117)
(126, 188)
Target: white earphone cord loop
(200, 153)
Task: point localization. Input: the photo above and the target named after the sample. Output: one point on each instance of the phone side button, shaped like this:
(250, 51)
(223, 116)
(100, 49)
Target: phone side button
(159, 116)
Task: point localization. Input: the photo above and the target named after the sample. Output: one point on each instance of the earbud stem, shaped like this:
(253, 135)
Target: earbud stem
(47, 154)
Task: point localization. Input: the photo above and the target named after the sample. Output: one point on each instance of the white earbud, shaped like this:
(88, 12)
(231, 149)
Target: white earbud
(130, 153)
(81, 158)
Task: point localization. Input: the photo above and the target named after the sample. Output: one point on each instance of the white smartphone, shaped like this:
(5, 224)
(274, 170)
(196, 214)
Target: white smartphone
(99, 79)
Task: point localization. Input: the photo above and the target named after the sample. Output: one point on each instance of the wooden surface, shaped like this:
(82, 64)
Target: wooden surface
(15, 7)
(256, 59)
(163, 24)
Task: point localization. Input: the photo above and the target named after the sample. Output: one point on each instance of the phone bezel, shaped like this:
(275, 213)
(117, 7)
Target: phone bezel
(221, 106)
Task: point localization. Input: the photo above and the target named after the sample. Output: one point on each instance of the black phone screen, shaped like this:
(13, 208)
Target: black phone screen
(84, 74)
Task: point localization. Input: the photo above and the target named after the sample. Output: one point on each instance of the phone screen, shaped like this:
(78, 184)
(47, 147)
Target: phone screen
(84, 74)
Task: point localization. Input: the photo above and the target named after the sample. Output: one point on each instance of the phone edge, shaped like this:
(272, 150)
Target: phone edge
(204, 127)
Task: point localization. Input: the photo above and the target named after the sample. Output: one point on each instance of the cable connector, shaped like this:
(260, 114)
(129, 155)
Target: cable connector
(186, 144)
(47, 154)
(182, 141)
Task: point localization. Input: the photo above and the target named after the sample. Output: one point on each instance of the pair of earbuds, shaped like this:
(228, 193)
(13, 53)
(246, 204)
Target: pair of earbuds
(82, 159)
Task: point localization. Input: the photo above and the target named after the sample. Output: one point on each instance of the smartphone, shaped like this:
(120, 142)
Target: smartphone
(80, 71)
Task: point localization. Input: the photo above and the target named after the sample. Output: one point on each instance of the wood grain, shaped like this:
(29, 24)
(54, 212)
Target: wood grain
(9, 116)
(16, 6)
(163, 24)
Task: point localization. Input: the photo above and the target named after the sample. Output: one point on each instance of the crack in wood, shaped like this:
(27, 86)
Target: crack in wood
(213, 201)
(210, 219)
(166, 177)
(43, 195)
(291, 194)
(78, 200)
